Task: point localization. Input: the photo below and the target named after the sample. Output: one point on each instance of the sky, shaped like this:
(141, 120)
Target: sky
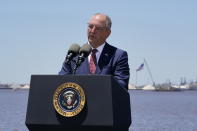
(36, 34)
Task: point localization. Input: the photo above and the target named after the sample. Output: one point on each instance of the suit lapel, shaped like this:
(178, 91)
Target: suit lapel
(85, 67)
(104, 58)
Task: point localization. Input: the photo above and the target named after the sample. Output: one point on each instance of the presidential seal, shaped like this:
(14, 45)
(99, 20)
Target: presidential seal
(69, 99)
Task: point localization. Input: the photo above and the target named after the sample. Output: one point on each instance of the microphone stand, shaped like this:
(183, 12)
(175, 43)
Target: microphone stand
(78, 63)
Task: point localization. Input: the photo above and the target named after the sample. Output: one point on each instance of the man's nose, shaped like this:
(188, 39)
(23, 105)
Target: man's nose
(93, 29)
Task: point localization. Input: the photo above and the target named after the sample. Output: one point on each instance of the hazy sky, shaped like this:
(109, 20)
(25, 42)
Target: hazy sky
(35, 36)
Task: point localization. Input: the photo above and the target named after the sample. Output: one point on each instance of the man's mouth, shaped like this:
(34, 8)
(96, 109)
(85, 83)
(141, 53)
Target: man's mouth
(91, 36)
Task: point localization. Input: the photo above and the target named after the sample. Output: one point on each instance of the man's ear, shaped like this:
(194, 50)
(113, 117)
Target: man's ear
(108, 32)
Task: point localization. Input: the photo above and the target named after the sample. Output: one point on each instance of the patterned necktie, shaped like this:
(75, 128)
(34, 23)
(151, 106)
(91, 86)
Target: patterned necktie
(93, 61)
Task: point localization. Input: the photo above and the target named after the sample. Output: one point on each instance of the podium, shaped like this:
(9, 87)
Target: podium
(107, 105)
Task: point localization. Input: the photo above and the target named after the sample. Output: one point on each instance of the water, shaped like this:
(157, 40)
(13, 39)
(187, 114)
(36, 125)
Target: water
(151, 111)
(164, 111)
(13, 105)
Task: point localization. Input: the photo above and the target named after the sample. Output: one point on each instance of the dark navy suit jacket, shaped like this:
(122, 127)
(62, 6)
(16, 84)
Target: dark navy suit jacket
(112, 61)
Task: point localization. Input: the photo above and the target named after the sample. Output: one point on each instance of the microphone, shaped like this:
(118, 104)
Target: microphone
(72, 52)
(83, 53)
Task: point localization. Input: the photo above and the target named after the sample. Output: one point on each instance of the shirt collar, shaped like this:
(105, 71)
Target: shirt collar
(100, 48)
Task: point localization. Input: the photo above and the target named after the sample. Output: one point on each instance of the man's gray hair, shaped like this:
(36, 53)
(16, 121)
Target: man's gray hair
(108, 20)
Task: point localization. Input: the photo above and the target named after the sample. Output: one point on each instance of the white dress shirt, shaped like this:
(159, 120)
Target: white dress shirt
(98, 53)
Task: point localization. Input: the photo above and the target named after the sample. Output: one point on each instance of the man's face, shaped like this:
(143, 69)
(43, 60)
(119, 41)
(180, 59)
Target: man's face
(97, 31)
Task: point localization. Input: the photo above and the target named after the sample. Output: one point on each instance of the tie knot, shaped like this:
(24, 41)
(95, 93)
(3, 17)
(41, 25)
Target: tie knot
(94, 51)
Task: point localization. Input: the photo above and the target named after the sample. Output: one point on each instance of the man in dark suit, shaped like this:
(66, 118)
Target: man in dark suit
(104, 59)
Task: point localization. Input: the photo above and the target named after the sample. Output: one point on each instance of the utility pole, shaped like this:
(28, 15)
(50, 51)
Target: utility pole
(136, 78)
(149, 72)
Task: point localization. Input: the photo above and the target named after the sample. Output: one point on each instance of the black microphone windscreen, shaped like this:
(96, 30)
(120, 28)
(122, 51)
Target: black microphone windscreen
(86, 49)
(74, 48)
